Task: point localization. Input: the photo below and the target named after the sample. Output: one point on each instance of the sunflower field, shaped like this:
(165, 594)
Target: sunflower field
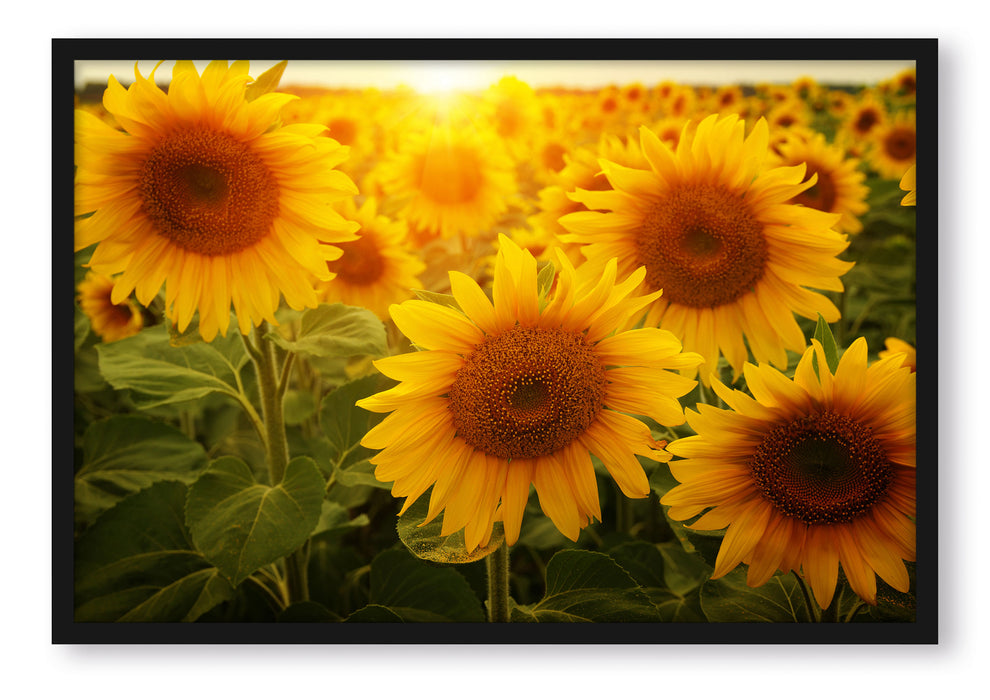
(520, 354)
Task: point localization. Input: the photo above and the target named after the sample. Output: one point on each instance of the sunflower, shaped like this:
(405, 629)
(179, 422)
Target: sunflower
(839, 188)
(861, 120)
(111, 321)
(514, 112)
(716, 233)
(893, 147)
(450, 181)
(816, 471)
(909, 183)
(897, 346)
(521, 392)
(377, 269)
(203, 192)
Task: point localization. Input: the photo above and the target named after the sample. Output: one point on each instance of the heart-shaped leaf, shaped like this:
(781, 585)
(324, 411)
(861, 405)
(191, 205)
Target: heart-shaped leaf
(240, 525)
(591, 587)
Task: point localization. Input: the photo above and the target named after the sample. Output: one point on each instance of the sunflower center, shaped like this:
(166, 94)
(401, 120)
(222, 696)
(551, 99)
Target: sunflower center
(866, 120)
(822, 194)
(450, 175)
(208, 193)
(527, 392)
(121, 313)
(900, 144)
(701, 246)
(361, 263)
(823, 468)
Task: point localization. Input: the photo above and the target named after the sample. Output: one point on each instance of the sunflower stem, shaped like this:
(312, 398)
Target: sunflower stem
(277, 446)
(498, 584)
(812, 608)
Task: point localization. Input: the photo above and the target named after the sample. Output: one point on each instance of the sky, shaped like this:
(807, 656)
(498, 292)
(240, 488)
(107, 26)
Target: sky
(428, 76)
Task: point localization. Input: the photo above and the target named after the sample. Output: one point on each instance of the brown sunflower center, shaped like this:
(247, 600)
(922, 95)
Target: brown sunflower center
(701, 245)
(527, 392)
(208, 193)
(899, 144)
(449, 175)
(822, 194)
(362, 263)
(866, 120)
(823, 468)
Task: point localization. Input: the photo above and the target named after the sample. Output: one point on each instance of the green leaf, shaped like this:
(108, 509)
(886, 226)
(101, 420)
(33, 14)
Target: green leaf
(266, 82)
(240, 525)
(334, 518)
(344, 423)
(823, 334)
(683, 572)
(159, 374)
(80, 329)
(418, 592)
(360, 474)
(674, 607)
(587, 586)
(374, 613)
(426, 542)
(308, 611)
(337, 330)
(125, 454)
(437, 298)
(729, 599)
(136, 563)
(298, 406)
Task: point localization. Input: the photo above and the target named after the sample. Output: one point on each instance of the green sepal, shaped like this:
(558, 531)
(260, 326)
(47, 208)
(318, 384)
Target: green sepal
(823, 334)
(266, 82)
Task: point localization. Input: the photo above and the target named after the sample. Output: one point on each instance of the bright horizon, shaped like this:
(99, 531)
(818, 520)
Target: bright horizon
(434, 76)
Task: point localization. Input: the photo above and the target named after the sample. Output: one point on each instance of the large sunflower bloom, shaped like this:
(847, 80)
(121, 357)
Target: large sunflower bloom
(812, 473)
(716, 233)
(204, 193)
(521, 391)
(377, 269)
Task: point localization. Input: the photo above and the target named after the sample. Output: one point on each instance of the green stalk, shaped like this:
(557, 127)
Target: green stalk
(273, 380)
(277, 446)
(498, 584)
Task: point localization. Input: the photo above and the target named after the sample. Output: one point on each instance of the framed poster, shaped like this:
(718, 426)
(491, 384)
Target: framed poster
(422, 336)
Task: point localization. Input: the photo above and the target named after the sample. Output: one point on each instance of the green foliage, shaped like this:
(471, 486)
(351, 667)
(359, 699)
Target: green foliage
(158, 373)
(241, 525)
(124, 454)
(406, 589)
(426, 542)
(337, 331)
(729, 599)
(137, 563)
(587, 586)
